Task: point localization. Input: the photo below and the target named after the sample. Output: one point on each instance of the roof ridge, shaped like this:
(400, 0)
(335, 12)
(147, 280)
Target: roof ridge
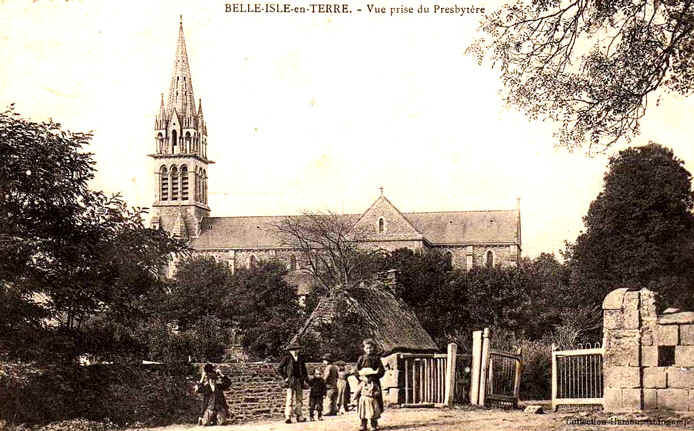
(267, 216)
(460, 211)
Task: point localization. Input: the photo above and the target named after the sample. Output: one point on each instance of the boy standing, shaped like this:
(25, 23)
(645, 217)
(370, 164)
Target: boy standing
(315, 401)
(330, 376)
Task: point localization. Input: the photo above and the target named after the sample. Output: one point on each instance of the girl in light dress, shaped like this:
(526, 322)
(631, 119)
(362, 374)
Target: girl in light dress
(370, 404)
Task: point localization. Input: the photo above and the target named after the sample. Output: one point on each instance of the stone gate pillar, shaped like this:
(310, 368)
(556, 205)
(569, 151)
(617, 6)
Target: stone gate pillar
(622, 360)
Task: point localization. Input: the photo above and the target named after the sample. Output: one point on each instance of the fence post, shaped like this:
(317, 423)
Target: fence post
(475, 367)
(516, 383)
(450, 373)
(484, 368)
(554, 377)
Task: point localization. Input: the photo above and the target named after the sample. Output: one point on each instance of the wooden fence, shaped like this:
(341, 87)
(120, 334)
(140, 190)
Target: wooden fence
(425, 378)
(429, 378)
(577, 377)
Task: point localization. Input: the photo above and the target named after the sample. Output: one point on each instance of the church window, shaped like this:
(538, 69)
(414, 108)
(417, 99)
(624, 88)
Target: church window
(449, 259)
(204, 186)
(164, 183)
(160, 141)
(184, 183)
(489, 259)
(381, 225)
(292, 262)
(174, 184)
(174, 141)
(197, 185)
(187, 141)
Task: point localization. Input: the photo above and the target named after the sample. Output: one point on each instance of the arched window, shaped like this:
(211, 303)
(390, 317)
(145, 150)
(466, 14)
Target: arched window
(163, 184)
(184, 183)
(292, 262)
(204, 186)
(449, 259)
(253, 262)
(489, 261)
(174, 183)
(187, 148)
(160, 143)
(174, 141)
(381, 225)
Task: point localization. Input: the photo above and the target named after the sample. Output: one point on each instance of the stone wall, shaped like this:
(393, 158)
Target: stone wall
(649, 358)
(256, 390)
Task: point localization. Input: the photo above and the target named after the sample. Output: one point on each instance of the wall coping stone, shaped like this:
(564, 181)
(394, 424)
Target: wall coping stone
(676, 318)
(615, 299)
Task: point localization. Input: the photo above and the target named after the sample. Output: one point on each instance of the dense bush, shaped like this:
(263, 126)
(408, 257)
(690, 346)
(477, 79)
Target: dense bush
(118, 394)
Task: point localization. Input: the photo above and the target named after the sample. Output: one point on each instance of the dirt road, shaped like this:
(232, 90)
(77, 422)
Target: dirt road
(457, 419)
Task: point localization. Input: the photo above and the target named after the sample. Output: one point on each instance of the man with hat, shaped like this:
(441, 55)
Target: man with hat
(330, 375)
(292, 368)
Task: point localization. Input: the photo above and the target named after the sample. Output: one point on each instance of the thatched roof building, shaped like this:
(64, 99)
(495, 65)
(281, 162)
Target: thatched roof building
(390, 322)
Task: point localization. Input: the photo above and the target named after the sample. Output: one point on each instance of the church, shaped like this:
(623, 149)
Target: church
(469, 238)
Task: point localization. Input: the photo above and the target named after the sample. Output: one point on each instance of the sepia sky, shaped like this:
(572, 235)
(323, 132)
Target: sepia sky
(308, 112)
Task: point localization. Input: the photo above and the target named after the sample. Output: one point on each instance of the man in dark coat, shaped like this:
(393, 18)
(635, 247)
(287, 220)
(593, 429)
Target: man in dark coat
(212, 386)
(292, 368)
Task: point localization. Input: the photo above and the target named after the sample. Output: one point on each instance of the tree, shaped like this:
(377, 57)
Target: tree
(67, 252)
(267, 308)
(591, 66)
(200, 288)
(329, 245)
(639, 230)
(419, 273)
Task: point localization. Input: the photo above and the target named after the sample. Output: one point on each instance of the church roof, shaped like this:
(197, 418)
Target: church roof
(438, 228)
(467, 227)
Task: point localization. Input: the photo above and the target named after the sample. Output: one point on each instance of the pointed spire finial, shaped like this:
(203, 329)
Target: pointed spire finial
(180, 20)
(381, 189)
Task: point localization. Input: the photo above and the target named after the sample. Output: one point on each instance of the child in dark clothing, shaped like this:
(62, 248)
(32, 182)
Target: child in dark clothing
(318, 390)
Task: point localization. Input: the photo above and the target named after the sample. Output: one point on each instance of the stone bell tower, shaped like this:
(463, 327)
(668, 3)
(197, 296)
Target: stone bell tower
(180, 154)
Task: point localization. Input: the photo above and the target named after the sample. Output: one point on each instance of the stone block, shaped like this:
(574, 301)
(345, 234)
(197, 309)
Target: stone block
(649, 356)
(631, 399)
(391, 379)
(680, 378)
(666, 335)
(622, 377)
(648, 306)
(613, 319)
(613, 399)
(394, 396)
(646, 335)
(534, 410)
(683, 317)
(654, 377)
(622, 348)
(390, 362)
(684, 356)
(673, 399)
(614, 299)
(687, 335)
(630, 309)
(649, 399)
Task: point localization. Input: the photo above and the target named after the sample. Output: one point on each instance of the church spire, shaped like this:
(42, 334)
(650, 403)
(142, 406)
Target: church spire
(181, 87)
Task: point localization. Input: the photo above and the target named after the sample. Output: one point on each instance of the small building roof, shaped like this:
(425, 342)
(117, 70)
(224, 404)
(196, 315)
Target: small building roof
(391, 323)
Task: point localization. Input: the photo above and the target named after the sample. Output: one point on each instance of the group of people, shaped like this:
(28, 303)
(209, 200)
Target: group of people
(329, 388)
